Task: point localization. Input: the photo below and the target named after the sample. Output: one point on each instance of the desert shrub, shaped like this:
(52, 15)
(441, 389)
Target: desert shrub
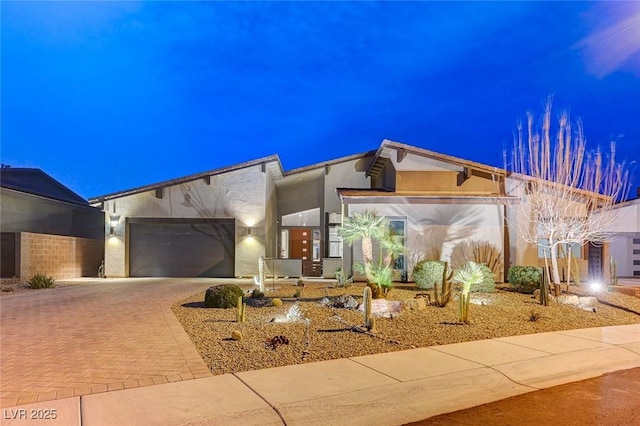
(488, 284)
(276, 302)
(222, 296)
(427, 273)
(524, 279)
(257, 294)
(41, 281)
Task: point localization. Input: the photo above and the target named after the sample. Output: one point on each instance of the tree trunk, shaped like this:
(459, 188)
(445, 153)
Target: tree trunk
(367, 256)
(555, 274)
(568, 257)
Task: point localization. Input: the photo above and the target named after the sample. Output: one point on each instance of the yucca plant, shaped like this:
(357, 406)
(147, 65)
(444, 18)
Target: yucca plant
(470, 273)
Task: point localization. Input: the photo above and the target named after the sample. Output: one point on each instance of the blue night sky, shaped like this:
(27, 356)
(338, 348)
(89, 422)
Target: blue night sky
(107, 96)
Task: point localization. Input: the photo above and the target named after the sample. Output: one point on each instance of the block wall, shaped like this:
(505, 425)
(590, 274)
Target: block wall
(59, 256)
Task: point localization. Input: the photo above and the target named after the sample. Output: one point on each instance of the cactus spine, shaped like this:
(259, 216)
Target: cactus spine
(369, 321)
(241, 314)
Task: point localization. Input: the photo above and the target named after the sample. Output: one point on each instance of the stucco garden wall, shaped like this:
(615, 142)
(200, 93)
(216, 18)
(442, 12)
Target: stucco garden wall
(239, 194)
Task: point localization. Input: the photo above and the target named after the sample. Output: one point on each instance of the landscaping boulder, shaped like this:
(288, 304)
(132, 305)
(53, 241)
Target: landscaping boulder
(385, 308)
(415, 304)
(345, 302)
(222, 296)
(588, 303)
(568, 300)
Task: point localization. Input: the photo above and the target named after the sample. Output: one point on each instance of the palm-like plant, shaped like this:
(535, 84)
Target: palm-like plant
(364, 226)
(468, 274)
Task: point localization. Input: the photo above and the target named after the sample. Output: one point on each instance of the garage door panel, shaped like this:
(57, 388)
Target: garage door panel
(182, 248)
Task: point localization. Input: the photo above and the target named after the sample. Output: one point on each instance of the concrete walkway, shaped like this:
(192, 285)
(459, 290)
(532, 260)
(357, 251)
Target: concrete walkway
(382, 389)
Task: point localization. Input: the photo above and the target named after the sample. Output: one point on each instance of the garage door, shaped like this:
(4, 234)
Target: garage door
(181, 247)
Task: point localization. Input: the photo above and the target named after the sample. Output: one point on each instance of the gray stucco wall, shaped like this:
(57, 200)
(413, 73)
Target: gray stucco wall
(22, 212)
(350, 174)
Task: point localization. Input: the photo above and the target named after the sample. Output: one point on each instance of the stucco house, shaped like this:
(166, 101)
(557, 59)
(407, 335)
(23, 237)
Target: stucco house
(219, 222)
(46, 227)
(624, 247)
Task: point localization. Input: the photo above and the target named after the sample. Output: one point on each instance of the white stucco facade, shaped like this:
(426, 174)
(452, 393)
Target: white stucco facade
(624, 246)
(240, 194)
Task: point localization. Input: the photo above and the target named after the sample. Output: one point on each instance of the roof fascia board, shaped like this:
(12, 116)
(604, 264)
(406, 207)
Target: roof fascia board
(328, 163)
(185, 179)
(44, 197)
(441, 157)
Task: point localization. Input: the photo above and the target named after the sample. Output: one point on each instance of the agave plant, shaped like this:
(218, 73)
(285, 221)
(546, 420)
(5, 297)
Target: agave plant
(470, 273)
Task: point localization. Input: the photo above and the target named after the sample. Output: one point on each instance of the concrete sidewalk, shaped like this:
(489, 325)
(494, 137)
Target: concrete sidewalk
(383, 389)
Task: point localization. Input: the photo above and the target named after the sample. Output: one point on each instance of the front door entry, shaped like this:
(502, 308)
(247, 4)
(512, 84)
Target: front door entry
(302, 246)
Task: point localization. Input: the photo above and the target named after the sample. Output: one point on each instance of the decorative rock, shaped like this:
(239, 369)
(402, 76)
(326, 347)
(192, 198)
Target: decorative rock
(415, 304)
(588, 303)
(325, 301)
(346, 302)
(236, 335)
(568, 300)
(385, 308)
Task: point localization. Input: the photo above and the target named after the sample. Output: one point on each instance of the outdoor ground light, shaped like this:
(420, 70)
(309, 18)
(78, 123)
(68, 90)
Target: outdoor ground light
(114, 219)
(595, 287)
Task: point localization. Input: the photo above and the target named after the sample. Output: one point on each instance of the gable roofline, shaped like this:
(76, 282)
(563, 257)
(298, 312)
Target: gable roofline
(329, 163)
(526, 178)
(401, 147)
(189, 178)
(63, 193)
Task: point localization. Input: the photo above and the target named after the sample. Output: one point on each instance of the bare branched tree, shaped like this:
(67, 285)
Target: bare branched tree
(561, 185)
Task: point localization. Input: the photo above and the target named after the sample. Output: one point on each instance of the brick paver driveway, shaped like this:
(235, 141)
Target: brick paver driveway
(96, 337)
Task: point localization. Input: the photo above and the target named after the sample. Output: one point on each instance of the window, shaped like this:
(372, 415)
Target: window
(561, 249)
(399, 227)
(636, 262)
(636, 241)
(636, 251)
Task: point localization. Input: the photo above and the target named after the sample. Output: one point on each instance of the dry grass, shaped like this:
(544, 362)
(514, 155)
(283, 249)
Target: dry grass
(329, 333)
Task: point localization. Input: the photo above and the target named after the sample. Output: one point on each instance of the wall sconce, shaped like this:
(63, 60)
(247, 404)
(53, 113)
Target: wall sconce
(114, 219)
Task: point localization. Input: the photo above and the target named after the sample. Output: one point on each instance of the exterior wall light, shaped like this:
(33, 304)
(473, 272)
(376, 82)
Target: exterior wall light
(114, 219)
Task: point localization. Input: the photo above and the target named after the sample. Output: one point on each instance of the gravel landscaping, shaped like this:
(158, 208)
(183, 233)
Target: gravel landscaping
(323, 332)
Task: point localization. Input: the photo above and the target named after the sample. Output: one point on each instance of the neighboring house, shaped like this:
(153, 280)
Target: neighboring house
(46, 227)
(218, 223)
(625, 244)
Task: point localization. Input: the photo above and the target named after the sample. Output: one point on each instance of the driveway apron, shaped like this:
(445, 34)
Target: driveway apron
(97, 337)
